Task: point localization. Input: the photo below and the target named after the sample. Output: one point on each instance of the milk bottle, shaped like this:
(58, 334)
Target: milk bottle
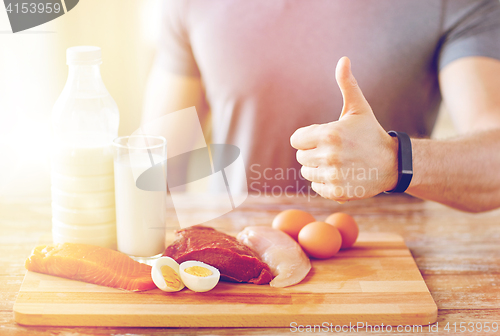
(85, 121)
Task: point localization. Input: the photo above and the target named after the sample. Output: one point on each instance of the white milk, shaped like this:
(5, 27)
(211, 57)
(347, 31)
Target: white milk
(83, 202)
(140, 215)
(85, 121)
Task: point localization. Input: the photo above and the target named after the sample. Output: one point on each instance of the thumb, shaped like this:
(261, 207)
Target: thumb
(354, 101)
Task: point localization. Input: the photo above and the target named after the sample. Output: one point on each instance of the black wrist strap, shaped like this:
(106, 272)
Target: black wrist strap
(405, 164)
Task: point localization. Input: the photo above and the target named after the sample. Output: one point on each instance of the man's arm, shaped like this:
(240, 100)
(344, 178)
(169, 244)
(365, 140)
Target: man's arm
(464, 172)
(167, 92)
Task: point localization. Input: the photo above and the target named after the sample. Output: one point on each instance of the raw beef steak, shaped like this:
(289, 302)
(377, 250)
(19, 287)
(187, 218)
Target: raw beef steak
(235, 261)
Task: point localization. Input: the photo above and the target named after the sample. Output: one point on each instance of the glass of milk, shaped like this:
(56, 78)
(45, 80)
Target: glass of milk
(140, 195)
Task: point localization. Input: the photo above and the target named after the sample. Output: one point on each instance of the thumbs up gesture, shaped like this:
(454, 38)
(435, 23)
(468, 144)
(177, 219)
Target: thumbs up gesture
(352, 158)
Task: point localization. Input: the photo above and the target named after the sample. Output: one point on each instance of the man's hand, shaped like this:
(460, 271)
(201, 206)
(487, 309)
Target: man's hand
(352, 158)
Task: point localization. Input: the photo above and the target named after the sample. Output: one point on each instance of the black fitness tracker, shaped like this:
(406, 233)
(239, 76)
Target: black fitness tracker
(405, 164)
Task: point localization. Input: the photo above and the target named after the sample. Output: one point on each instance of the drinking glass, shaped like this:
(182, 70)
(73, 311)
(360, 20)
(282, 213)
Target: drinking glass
(140, 195)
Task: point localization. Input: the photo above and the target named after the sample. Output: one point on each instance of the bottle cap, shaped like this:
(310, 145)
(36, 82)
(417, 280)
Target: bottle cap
(83, 55)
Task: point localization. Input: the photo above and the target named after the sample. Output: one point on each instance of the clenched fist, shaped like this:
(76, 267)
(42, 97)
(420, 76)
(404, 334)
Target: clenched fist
(352, 158)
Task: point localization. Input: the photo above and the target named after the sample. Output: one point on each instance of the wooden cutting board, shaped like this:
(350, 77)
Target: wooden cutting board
(375, 282)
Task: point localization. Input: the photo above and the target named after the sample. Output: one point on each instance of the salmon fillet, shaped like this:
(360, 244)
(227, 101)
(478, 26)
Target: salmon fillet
(93, 264)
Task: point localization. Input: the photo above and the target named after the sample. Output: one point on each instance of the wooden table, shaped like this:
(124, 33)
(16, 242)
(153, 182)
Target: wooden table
(457, 253)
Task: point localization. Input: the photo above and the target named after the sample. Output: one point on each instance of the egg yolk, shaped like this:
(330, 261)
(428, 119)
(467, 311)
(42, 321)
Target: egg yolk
(171, 277)
(198, 271)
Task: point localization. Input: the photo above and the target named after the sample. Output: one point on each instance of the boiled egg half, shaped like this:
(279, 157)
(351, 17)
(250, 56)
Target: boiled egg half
(165, 274)
(198, 276)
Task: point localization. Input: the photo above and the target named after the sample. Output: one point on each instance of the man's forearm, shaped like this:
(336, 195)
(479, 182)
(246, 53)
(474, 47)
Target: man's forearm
(463, 173)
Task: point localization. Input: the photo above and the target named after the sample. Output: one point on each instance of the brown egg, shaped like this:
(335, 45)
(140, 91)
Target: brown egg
(347, 227)
(292, 221)
(320, 240)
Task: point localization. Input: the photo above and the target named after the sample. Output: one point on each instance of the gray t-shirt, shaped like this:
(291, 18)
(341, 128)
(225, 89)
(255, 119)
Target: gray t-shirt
(268, 66)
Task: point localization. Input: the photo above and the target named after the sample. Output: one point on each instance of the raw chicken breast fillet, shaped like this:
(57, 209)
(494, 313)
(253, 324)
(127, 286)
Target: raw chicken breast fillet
(284, 256)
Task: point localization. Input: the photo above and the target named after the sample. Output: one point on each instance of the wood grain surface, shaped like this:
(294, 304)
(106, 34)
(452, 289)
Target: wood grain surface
(375, 282)
(457, 254)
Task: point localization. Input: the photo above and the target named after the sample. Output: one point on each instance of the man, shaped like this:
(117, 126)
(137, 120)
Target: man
(266, 70)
